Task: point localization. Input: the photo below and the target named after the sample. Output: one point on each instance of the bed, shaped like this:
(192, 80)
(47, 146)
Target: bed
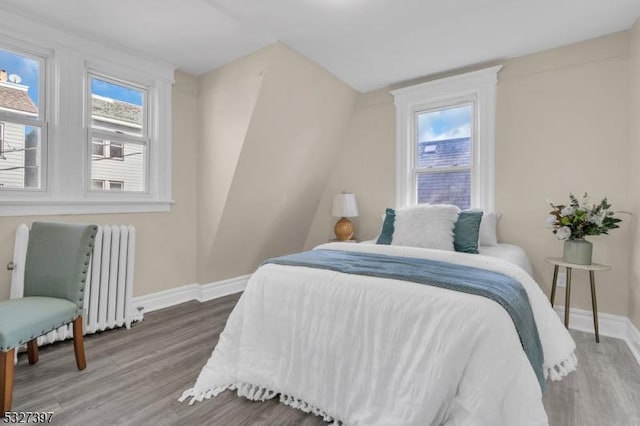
(366, 350)
(509, 253)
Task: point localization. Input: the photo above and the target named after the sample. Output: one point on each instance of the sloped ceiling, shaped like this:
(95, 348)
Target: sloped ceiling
(366, 43)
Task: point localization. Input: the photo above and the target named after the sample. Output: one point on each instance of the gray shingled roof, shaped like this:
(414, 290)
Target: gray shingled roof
(16, 99)
(443, 153)
(116, 110)
(450, 187)
(445, 188)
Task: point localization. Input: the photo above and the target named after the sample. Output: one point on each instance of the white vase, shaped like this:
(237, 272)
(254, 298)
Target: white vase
(577, 251)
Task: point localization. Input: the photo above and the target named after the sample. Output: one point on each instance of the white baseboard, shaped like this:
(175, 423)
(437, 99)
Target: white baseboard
(609, 325)
(633, 340)
(164, 299)
(223, 288)
(200, 292)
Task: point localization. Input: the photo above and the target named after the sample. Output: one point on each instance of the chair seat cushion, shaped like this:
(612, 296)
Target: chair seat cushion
(26, 318)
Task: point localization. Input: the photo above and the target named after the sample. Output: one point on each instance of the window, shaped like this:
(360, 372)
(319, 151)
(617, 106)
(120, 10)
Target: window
(443, 158)
(101, 149)
(116, 151)
(118, 133)
(22, 119)
(445, 141)
(114, 185)
(86, 127)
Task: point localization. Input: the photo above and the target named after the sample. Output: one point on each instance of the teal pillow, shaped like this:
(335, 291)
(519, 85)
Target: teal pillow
(466, 230)
(386, 234)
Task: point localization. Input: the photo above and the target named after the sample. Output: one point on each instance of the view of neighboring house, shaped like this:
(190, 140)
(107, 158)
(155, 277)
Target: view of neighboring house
(19, 159)
(115, 165)
(448, 187)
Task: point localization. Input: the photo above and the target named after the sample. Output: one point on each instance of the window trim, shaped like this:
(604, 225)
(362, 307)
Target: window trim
(46, 109)
(116, 157)
(121, 182)
(416, 171)
(68, 56)
(146, 139)
(107, 182)
(101, 181)
(103, 144)
(2, 157)
(478, 85)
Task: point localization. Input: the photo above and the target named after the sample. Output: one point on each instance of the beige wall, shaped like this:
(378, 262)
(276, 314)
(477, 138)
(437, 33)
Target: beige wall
(634, 175)
(364, 166)
(281, 157)
(562, 125)
(165, 251)
(227, 98)
(261, 145)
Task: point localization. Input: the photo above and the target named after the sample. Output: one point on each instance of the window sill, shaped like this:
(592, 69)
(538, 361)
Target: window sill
(48, 207)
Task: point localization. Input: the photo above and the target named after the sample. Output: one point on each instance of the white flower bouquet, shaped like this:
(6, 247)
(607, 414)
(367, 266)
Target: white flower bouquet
(581, 218)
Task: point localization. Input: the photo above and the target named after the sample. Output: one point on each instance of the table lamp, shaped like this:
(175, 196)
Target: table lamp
(344, 206)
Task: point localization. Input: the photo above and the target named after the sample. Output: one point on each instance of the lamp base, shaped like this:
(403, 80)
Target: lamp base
(343, 229)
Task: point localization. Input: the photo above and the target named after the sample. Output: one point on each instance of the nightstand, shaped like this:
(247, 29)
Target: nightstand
(558, 262)
(335, 240)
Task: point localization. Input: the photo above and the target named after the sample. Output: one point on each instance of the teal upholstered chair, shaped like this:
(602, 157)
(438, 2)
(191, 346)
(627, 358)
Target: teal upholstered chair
(54, 281)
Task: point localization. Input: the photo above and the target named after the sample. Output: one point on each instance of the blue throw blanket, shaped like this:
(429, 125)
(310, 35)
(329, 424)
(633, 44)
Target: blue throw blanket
(500, 288)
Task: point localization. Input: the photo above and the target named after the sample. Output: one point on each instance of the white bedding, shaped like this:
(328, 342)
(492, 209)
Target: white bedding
(373, 351)
(510, 253)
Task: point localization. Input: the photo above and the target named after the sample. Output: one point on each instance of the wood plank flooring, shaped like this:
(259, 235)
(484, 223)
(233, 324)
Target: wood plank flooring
(135, 376)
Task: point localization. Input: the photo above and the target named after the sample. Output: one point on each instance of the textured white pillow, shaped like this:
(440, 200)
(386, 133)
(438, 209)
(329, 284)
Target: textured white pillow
(425, 225)
(488, 234)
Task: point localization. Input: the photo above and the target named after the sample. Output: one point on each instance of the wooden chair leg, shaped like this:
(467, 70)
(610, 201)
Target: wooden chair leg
(78, 344)
(32, 350)
(6, 380)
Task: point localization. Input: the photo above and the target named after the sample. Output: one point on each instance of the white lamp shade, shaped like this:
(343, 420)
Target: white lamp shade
(344, 205)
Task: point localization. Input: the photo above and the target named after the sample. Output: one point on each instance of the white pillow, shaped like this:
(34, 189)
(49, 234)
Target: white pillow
(488, 234)
(425, 225)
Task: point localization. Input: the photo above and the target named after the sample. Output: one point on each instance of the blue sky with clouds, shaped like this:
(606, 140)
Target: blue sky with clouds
(115, 91)
(445, 124)
(28, 69)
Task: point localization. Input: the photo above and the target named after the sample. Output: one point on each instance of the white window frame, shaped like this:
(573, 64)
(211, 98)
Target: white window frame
(1, 140)
(111, 182)
(106, 183)
(106, 149)
(45, 108)
(478, 87)
(66, 184)
(413, 151)
(109, 137)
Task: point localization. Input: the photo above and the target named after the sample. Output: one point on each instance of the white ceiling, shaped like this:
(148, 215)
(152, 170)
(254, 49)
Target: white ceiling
(366, 43)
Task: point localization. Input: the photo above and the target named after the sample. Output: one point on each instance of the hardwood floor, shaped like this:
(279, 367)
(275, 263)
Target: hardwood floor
(134, 377)
(605, 389)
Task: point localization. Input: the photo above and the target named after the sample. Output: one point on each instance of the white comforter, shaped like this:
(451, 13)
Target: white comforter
(370, 351)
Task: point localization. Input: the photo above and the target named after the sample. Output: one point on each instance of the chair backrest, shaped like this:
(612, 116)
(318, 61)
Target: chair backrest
(58, 257)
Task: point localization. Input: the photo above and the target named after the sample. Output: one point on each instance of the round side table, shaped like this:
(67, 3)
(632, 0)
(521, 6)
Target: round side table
(558, 262)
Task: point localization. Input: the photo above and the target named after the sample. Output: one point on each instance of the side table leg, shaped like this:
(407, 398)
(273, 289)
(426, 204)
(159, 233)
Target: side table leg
(567, 299)
(594, 304)
(553, 284)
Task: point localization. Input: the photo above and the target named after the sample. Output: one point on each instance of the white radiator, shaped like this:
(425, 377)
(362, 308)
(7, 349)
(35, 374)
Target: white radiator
(108, 292)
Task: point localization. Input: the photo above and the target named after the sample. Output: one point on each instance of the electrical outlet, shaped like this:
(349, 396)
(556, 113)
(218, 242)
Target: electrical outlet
(562, 279)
